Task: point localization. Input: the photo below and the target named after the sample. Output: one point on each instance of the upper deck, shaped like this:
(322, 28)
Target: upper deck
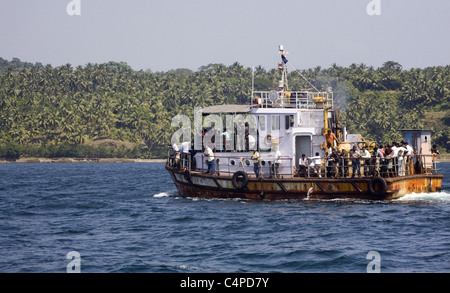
(293, 99)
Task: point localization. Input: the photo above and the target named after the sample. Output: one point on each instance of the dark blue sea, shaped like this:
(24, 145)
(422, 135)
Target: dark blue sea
(129, 218)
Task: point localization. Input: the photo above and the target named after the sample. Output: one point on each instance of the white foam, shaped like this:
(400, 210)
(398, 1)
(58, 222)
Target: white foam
(432, 196)
(165, 194)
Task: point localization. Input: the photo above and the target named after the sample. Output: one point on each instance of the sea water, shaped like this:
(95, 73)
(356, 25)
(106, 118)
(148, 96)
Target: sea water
(128, 217)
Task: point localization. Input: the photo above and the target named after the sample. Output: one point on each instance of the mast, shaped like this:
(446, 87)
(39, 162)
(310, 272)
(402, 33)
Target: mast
(283, 83)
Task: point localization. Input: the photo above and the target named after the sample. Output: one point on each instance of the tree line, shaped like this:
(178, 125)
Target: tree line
(111, 110)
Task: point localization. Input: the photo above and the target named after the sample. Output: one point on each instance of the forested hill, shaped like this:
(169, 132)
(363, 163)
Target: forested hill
(110, 110)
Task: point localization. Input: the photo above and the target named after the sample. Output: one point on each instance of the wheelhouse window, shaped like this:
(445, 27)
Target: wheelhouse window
(262, 123)
(288, 121)
(275, 119)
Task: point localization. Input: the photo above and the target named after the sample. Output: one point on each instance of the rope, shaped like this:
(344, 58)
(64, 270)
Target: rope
(304, 78)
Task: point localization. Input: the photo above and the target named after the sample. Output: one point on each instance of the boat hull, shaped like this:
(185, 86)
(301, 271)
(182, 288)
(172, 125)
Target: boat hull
(197, 184)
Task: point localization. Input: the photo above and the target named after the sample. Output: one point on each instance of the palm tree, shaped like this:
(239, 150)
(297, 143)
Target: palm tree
(392, 65)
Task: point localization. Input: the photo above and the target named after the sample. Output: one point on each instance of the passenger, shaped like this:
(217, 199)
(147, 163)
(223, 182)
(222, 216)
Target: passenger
(389, 161)
(434, 152)
(226, 140)
(331, 138)
(329, 149)
(401, 147)
(365, 155)
(339, 164)
(408, 156)
(385, 161)
(356, 164)
(255, 158)
(387, 150)
(175, 148)
(185, 153)
(400, 161)
(395, 149)
(345, 162)
(409, 149)
(333, 160)
(209, 154)
(316, 164)
(303, 165)
(378, 152)
(175, 151)
(276, 162)
(377, 162)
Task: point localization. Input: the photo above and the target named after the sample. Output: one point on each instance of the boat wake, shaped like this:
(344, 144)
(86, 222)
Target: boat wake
(429, 197)
(166, 194)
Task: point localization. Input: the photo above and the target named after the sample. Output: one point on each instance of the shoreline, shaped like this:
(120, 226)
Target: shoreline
(110, 160)
(81, 160)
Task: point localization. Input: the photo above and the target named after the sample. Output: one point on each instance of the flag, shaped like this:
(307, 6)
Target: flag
(283, 57)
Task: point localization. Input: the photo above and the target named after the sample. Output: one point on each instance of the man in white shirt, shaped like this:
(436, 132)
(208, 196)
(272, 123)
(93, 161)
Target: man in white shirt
(395, 150)
(175, 148)
(302, 165)
(401, 147)
(277, 161)
(185, 148)
(175, 151)
(209, 154)
(365, 155)
(226, 141)
(409, 149)
(316, 164)
(408, 154)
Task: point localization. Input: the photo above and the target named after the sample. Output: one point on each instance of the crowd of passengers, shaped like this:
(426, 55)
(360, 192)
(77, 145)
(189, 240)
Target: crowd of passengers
(397, 159)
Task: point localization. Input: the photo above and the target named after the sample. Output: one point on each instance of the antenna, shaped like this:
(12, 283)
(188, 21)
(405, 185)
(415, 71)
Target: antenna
(304, 78)
(253, 79)
(282, 67)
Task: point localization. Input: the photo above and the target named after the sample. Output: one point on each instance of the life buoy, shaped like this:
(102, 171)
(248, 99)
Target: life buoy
(377, 186)
(362, 142)
(239, 179)
(266, 140)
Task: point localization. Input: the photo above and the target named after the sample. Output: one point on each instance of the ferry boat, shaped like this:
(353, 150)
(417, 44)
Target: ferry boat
(255, 151)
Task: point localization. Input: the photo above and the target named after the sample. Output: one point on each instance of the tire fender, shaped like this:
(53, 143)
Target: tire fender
(377, 181)
(239, 179)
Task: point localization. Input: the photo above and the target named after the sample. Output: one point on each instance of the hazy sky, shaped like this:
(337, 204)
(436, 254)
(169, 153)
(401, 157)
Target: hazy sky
(169, 34)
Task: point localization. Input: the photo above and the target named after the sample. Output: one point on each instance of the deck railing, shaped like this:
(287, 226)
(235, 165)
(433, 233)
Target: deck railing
(293, 99)
(286, 168)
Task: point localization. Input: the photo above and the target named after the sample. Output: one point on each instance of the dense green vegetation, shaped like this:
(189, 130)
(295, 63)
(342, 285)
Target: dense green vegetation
(110, 110)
